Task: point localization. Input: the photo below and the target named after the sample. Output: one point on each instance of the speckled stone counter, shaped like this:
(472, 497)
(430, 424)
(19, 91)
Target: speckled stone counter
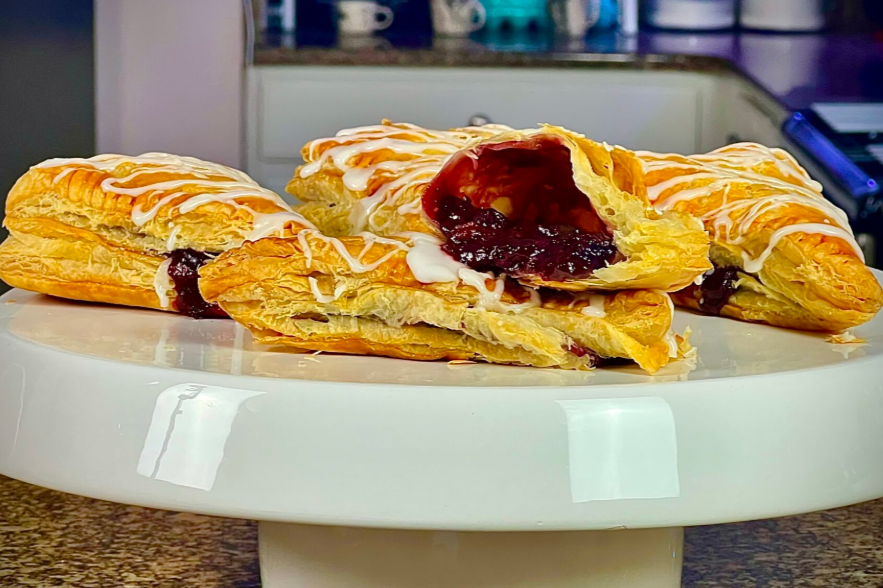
(49, 538)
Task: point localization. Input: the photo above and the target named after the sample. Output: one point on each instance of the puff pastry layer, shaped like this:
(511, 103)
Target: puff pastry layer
(784, 254)
(131, 230)
(546, 206)
(359, 295)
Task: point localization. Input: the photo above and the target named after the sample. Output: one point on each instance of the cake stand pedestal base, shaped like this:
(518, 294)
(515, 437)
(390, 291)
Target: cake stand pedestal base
(347, 557)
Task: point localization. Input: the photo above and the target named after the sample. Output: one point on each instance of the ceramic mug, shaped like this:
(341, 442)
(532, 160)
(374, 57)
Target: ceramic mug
(572, 18)
(457, 18)
(362, 17)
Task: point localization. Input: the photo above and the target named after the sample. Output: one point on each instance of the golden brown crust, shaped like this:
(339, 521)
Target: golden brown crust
(661, 251)
(52, 258)
(754, 301)
(745, 193)
(273, 287)
(98, 229)
(90, 198)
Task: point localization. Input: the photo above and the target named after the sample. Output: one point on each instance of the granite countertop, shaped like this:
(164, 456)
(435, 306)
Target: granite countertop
(48, 538)
(798, 70)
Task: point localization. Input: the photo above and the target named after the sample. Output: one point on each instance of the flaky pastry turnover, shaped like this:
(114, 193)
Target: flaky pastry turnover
(132, 230)
(360, 295)
(783, 254)
(547, 207)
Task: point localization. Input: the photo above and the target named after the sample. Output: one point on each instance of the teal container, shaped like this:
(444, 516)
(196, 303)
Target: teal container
(516, 15)
(609, 15)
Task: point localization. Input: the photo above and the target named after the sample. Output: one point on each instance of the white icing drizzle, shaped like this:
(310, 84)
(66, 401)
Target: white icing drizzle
(366, 207)
(109, 161)
(274, 223)
(411, 207)
(408, 130)
(739, 156)
(141, 218)
(420, 154)
(231, 192)
(754, 265)
(212, 183)
(340, 156)
(428, 262)
(654, 192)
(595, 307)
(357, 179)
(378, 239)
(173, 236)
(305, 246)
(492, 299)
(63, 173)
(162, 283)
(737, 164)
(487, 130)
(355, 263)
(324, 298)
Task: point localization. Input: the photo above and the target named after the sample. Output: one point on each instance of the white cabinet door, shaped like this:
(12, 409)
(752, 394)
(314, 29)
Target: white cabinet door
(290, 105)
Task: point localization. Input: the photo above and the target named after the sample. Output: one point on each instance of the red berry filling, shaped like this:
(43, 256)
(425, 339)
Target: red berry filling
(514, 208)
(184, 271)
(716, 289)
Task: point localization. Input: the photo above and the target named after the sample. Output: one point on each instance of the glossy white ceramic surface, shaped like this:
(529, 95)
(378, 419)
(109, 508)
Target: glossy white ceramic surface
(160, 410)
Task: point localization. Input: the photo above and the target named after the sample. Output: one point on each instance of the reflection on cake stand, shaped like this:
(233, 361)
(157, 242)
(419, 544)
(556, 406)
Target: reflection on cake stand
(378, 472)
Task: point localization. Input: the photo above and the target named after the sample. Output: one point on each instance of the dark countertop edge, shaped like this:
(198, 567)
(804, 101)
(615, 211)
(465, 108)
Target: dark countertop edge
(795, 70)
(267, 56)
(488, 59)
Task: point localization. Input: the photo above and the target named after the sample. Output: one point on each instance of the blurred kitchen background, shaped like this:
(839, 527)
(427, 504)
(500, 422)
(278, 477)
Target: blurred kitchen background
(247, 83)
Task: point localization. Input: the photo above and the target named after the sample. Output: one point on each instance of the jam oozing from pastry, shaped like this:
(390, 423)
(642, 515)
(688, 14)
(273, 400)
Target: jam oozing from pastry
(716, 289)
(184, 271)
(514, 208)
(580, 351)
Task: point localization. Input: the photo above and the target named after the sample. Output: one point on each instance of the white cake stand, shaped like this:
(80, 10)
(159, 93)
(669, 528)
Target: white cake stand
(372, 472)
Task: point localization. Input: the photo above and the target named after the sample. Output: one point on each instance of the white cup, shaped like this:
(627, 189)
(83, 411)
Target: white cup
(457, 18)
(783, 15)
(362, 17)
(572, 18)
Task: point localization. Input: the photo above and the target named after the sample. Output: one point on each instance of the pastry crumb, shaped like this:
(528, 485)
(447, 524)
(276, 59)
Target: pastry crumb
(685, 350)
(461, 362)
(845, 338)
(10, 302)
(845, 343)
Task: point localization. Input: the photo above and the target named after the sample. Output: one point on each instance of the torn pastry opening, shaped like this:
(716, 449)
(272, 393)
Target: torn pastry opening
(182, 274)
(513, 207)
(716, 288)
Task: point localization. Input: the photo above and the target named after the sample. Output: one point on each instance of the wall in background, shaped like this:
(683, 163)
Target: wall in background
(169, 77)
(46, 85)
